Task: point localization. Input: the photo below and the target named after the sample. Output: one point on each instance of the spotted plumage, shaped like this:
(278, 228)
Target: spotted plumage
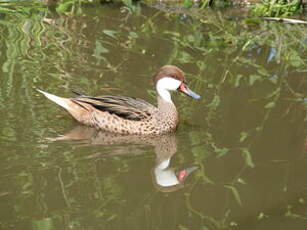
(128, 115)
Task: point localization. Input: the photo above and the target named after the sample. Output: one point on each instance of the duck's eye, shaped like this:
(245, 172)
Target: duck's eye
(180, 86)
(183, 85)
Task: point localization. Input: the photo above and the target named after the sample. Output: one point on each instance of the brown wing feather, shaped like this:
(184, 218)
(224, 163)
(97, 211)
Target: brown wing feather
(124, 107)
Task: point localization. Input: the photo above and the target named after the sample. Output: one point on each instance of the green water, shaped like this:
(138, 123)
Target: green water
(244, 140)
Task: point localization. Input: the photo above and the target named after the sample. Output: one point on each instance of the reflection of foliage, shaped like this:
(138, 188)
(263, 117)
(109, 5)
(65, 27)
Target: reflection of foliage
(246, 73)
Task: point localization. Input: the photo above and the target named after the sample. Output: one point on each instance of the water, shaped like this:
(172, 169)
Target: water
(240, 150)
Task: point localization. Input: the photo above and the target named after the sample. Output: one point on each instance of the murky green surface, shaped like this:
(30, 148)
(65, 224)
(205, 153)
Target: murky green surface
(246, 136)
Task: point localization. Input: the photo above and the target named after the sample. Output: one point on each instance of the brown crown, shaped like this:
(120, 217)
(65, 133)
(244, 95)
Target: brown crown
(169, 71)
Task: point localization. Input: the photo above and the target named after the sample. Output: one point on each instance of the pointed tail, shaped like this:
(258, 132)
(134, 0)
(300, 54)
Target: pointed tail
(63, 102)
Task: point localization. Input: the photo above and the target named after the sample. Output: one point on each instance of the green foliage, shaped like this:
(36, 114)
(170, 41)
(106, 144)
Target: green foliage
(243, 133)
(68, 6)
(277, 8)
(271, 8)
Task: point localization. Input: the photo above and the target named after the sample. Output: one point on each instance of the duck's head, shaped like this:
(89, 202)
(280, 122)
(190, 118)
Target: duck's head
(171, 78)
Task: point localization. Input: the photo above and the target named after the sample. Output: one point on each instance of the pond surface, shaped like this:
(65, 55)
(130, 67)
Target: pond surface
(240, 151)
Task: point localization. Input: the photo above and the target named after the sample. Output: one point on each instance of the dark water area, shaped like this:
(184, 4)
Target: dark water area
(242, 146)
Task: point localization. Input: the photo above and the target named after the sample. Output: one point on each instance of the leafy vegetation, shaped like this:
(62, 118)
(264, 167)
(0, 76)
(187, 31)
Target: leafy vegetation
(279, 8)
(270, 8)
(246, 135)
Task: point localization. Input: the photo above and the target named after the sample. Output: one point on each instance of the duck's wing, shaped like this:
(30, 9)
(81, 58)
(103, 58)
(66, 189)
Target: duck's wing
(125, 107)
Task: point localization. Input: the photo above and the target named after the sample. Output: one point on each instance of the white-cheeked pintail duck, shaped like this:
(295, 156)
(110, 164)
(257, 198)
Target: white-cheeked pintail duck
(128, 115)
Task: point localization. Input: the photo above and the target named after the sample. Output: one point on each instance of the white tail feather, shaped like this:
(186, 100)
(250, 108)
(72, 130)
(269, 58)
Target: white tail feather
(58, 100)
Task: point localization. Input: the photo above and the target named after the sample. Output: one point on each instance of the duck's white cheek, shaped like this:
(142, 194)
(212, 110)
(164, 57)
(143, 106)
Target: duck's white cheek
(166, 84)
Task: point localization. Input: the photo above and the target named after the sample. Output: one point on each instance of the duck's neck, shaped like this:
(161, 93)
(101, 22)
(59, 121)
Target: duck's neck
(167, 108)
(162, 103)
(164, 94)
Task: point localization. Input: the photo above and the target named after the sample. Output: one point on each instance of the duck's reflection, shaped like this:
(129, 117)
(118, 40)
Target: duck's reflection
(165, 178)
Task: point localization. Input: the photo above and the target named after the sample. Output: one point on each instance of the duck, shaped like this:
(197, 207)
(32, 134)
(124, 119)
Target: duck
(130, 115)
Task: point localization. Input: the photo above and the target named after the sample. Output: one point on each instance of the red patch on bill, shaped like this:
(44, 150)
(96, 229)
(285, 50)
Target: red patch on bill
(181, 175)
(182, 87)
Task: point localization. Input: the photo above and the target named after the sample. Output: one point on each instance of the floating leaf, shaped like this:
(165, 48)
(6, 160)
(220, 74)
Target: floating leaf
(241, 181)
(235, 193)
(99, 50)
(173, 33)
(233, 224)
(269, 105)
(243, 136)
(111, 33)
(248, 158)
(221, 151)
(237, 80)
(260, 216)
